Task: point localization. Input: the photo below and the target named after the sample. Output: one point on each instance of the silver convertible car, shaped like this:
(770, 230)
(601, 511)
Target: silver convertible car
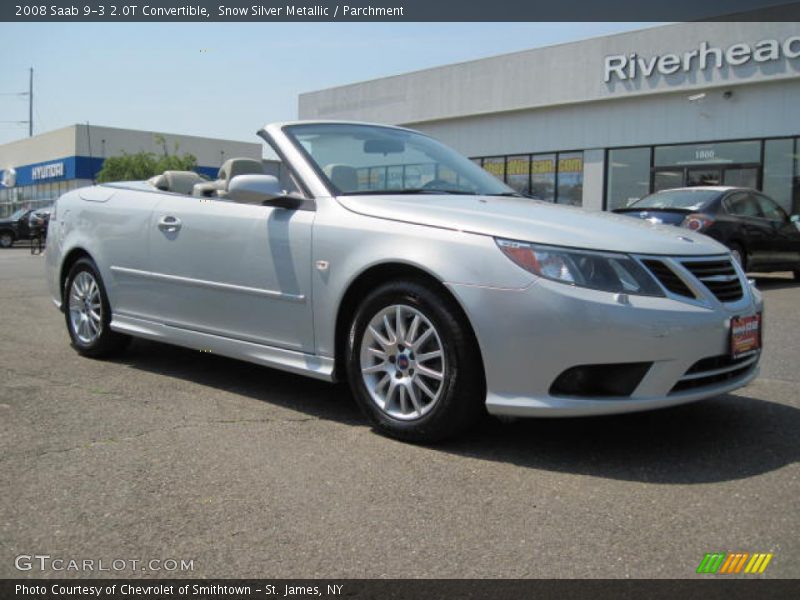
(381, 257)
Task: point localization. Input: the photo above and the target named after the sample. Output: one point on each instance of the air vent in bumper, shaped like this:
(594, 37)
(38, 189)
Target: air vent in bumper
(714, 370)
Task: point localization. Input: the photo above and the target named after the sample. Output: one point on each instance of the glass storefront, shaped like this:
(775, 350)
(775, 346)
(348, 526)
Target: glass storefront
(543, 177)
(628, 176)
(554, 177)
(780, 172)
(36, 196)
(768, 165)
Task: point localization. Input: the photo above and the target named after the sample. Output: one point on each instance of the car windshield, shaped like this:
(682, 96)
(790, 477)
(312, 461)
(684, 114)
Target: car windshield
(369, 159)
(16, 216)
(683, 199)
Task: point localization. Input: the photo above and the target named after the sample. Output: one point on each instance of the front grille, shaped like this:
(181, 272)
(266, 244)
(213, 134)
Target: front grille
(667, 277)
(714, 370)
(719, 276)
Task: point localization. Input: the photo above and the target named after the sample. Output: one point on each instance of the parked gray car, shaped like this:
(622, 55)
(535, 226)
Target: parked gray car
(386, 259)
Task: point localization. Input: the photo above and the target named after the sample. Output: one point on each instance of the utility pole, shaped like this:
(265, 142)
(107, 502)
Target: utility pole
(30, 105)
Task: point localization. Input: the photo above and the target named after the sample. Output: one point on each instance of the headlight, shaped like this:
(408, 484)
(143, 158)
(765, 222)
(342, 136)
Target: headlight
(606, 271)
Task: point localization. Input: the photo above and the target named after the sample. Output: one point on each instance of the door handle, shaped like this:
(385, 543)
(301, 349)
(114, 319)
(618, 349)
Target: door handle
(169, 224)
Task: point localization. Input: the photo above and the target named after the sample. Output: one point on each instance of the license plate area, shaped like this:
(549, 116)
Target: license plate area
(745, 336)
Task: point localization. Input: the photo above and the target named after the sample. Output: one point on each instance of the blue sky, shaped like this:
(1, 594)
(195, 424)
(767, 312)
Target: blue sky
(227, 80)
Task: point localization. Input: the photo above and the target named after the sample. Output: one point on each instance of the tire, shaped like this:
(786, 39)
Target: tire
(403, 395)
(90, 332)
(739, 254)
(6, 239)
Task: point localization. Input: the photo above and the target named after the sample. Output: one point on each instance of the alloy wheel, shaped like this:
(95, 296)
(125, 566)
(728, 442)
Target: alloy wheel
(85, 308)
(402, 362)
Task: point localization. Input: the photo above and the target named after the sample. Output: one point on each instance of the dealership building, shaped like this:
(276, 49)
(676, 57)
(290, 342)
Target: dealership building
(35, 171)
(604, 121)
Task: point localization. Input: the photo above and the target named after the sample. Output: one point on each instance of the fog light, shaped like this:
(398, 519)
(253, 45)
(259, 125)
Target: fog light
(599, 381)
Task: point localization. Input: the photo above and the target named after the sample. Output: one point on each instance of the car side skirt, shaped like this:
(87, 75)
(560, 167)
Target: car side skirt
(318, 367)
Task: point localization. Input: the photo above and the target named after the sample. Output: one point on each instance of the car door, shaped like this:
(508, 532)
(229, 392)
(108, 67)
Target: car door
(240, 271)
(24, 226)
(753, 229)
(786, 236)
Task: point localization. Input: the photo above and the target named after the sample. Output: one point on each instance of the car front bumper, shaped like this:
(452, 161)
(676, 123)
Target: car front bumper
(528, 337)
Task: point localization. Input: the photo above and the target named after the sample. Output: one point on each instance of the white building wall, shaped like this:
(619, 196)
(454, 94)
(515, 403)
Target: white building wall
(111, 141)
(39, 148)
(769, 109)
(555, 75)
(593, 179)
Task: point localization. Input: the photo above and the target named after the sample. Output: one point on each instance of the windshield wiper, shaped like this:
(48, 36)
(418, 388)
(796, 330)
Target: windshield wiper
(510, 195)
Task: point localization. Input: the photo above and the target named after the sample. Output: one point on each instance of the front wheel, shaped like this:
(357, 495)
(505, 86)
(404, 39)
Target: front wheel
(88, 313)
(413, 364)
(6, 239)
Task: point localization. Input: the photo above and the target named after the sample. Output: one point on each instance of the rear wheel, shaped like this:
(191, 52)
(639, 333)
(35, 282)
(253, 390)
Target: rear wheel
(88, 313)
(413, 365)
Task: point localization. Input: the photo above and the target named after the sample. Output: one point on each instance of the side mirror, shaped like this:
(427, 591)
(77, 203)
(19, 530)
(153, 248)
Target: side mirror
(254, 189)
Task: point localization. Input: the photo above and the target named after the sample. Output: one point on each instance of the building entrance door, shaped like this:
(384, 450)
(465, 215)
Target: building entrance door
(703, 176)
(733, 175)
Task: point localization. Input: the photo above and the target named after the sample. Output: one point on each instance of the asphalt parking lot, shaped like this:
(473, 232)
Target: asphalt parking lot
(168, 453)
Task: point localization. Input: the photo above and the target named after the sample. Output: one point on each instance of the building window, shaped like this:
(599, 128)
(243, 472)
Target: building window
(553, 177)
(796, 187)
(518, 173)
(779, 173)
(543, 177)
(628, 176)
(570, 178)
(714, 153)
(496, 165)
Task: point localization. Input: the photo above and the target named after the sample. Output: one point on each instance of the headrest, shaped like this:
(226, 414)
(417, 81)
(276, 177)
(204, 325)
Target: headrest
(344, 177)
(240, 166)
(180, 182)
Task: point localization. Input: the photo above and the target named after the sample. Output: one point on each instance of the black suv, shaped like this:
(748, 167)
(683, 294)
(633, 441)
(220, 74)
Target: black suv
(22, 225)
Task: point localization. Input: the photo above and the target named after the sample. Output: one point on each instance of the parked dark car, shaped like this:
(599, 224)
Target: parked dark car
(759, 233)
(22, 225)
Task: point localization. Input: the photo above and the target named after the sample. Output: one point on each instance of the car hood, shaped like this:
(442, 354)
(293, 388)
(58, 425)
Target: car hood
(534, 221)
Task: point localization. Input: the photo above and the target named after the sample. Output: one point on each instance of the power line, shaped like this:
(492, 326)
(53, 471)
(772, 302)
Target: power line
(29, 94)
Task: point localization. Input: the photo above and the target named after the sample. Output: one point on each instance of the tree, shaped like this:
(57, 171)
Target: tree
(143, 165)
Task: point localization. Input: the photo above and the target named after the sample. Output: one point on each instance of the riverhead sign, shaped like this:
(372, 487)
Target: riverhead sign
(625, 67)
